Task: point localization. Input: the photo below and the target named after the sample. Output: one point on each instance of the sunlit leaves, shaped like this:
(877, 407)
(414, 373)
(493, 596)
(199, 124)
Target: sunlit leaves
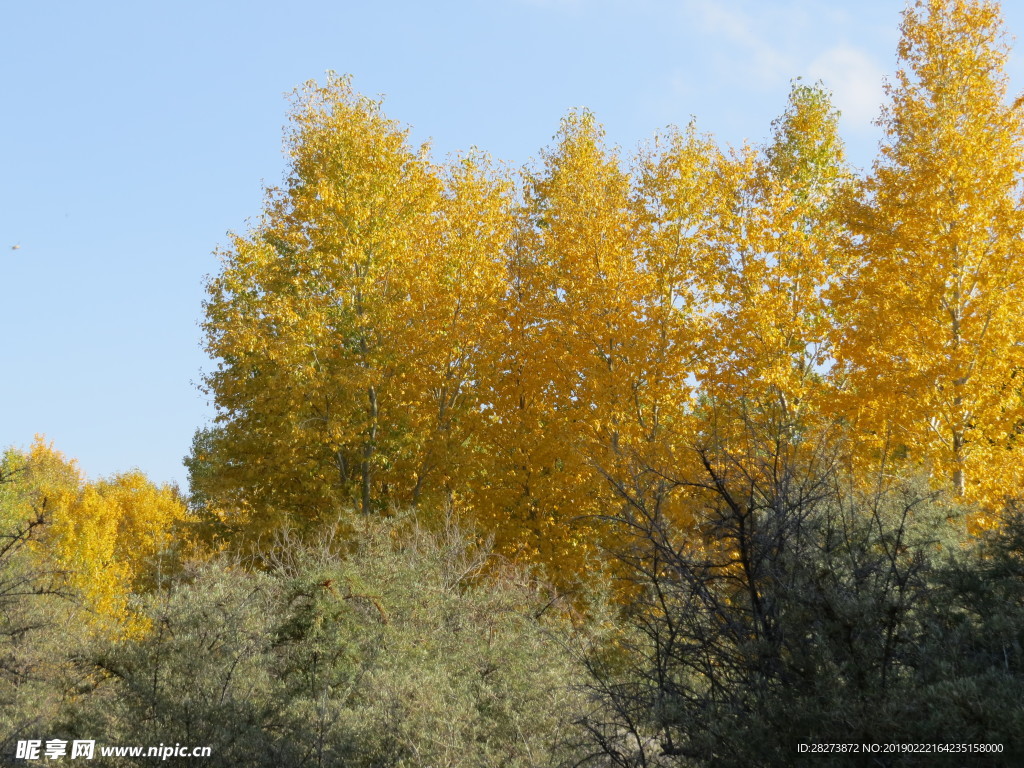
(109, 538)
(351, 322)
(932, 337)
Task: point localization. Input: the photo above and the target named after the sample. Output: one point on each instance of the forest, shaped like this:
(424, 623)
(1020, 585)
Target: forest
(697, 456)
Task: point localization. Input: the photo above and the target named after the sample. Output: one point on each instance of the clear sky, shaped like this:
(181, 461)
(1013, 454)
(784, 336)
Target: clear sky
(135, 135)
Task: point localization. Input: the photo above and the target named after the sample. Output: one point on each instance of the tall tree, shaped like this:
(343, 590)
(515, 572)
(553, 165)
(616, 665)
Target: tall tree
(594, 396)
(457, 304)
(683, 192)
(773, 328)
(559, 388)
(303, 315)
(350, 322)
(933, 339)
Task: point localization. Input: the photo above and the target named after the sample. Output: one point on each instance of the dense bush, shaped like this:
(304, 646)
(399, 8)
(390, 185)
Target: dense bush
(408, 650)
(812, 609)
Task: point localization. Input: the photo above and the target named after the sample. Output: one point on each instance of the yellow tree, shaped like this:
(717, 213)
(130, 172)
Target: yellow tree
(933, 339)
(348, 324)
(302, 316)
(594, 386)
(111, 538)
(457, 304)
(773, 328)
(554, 386)
(681, 198)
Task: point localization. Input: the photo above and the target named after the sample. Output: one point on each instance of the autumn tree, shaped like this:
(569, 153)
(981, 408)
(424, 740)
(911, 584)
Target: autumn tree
(301, 317)
(682, 191)
(348, 323)
(772, 330)
(604, 310)
(109, 538)
(735, 332)
(457, 308)
(558, 393)
(932, 343)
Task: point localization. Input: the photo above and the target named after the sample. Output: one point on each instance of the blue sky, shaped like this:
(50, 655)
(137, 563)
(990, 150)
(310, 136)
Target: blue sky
(135, 135)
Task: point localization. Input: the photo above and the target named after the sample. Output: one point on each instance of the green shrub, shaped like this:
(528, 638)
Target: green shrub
(411, 649)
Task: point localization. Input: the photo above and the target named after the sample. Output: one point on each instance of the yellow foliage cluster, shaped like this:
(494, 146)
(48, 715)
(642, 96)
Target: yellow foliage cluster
(109, 538)
(931, 345)
(536, 346)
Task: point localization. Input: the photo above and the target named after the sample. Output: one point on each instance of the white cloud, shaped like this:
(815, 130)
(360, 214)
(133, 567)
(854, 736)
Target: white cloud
(855, 81)
(750, 52)
(768, 44)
